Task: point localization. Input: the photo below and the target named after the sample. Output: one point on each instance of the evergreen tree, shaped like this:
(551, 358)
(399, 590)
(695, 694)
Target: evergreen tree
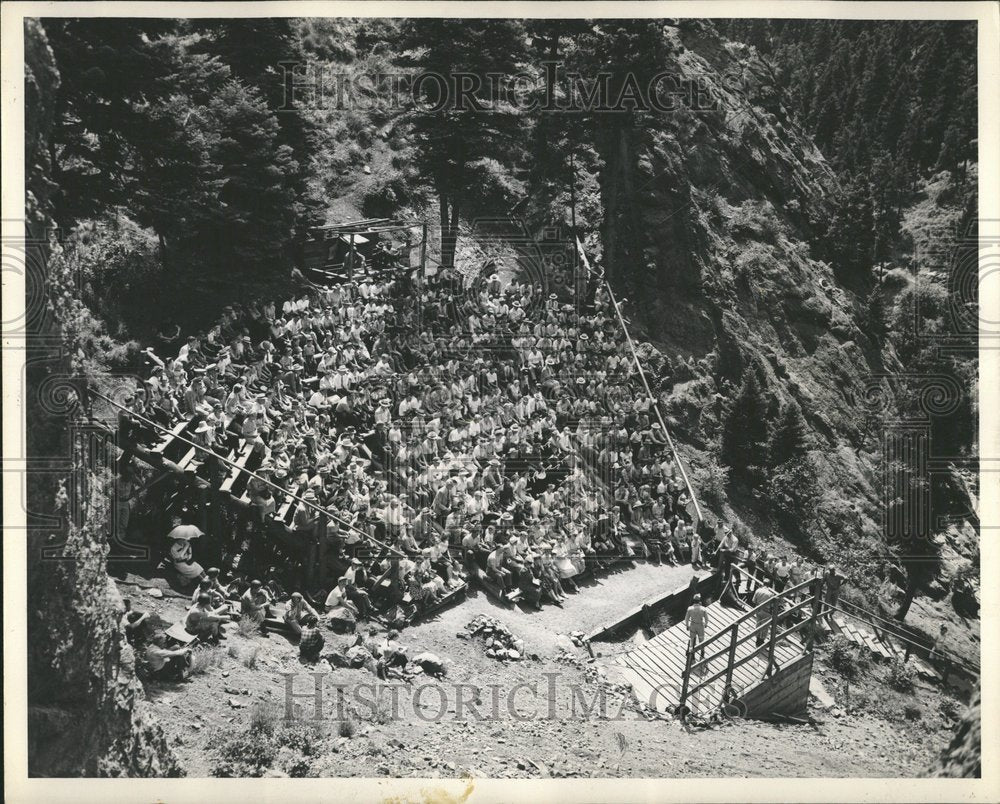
(917, 551)
(110, 69)
(744, 433)
(789, 437)
(465, 148)
(153, 121)
(875, 311)
(850, 233)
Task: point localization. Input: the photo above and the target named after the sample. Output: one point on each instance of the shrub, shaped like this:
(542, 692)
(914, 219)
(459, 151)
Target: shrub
(913, 711)
(245, 654)
(264, 718)
(846, 658)
(949, 708)
(812, 632)
(711, 484)
(347, 728)
(204, 659)
(249, 624)
(900, 676)
(248, 753)
(267, 740)
(794, 492)
(301, 735)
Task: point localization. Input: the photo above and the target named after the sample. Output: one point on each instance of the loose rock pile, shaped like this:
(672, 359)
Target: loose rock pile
(500, 643)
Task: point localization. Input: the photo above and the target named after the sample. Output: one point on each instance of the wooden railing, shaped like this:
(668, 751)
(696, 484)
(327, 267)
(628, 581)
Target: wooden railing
(729, 637)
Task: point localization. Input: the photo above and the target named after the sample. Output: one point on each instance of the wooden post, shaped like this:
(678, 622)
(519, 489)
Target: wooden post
(685, 679)
(321, 525)
(775, 603)
(350, 260)
(732, 660)
(423, 251)
(572, 204)
(817, 608)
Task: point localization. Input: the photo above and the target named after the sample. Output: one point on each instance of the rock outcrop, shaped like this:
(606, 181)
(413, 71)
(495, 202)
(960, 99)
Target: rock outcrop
(85, 711)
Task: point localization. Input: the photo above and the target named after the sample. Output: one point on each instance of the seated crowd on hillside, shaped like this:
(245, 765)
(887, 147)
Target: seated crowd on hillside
(443, 429)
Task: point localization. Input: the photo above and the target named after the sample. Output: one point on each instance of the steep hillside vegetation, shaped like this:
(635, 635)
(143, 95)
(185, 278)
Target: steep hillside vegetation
(788, 279)
(82, 689)
(723, 216)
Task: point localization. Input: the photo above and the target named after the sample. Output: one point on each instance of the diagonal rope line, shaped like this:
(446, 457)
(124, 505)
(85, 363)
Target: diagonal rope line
(645, 383)
(234, 465)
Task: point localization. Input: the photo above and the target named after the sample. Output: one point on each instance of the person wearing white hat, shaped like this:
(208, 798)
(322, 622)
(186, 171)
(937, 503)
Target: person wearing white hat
(182, 554)
(383, 412)
(204, 434)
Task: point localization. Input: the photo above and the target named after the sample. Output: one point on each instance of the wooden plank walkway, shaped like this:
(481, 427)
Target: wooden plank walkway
(863, 636)
(655, 669)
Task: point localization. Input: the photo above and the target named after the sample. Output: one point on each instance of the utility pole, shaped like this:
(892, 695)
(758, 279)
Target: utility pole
(423, 251)
(572, 201)
(580, 281)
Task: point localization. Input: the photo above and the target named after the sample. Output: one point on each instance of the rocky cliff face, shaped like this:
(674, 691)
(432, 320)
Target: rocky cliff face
(710, 219)
(963, 756)
(85, 715)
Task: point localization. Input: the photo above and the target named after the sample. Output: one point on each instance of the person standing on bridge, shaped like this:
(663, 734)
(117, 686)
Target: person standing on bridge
(696, 620)
(764, 611)
(782, 571)
(831, 591)
(728, 546)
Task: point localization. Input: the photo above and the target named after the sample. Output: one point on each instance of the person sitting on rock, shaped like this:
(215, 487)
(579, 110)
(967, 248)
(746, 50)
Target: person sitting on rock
(392, 659)
(204, 621)
(297, 611)
(256, 601)
(206, 587)
(165, 664)
(359, 597)
(137, 626)
(311, 641)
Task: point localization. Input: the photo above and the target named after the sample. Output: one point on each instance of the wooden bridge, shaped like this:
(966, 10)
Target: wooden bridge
(756, 654)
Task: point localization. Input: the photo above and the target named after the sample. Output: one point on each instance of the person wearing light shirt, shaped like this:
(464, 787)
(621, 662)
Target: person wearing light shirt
(394, 516)
(342, 380)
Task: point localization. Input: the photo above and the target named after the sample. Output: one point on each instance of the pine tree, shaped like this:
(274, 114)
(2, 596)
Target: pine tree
(466, 149)
(875, 311)
(744, 434)
(790, 436)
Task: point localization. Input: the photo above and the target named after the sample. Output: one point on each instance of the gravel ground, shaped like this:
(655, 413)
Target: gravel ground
(524, 719)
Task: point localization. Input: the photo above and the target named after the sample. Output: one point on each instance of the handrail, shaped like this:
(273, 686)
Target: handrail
(752, 612)
(649, 393)
(729, 668)
(776, 614)
(735, 625)
(896, 629)
(233, 464)
(952, 658)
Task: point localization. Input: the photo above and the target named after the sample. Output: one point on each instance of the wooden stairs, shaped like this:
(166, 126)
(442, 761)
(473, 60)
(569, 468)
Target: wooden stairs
(864, 636)
(656, 668)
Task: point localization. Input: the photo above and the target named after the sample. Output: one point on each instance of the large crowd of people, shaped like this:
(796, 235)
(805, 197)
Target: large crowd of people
(440, 428)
